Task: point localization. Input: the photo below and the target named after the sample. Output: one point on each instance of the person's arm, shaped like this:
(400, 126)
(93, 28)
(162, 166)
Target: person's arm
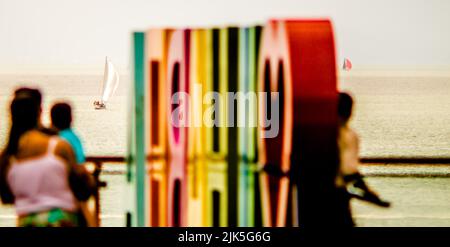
(349, 152)
(6, 194)
(82, 182)
(356, 186)
(65, 151)
(82, 154)
(355, 140)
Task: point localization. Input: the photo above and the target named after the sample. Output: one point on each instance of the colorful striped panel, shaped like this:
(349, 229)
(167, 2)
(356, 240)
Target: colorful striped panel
(217, 193)
(247, 135)
(156, 102)
(217, 81)
(275, 76)
(157, 200)
(178, 82)
(199, 60)
(136, 160)
(230, 77)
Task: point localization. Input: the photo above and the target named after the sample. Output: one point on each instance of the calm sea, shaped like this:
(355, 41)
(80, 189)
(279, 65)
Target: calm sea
(401, 116)
(394, 116)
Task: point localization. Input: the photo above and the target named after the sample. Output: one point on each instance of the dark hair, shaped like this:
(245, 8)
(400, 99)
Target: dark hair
(25, 112)
(35, 94)
(345, 105)
(61, 114)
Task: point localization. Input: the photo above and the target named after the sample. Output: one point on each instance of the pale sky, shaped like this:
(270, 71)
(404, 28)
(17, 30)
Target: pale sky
(411, 33)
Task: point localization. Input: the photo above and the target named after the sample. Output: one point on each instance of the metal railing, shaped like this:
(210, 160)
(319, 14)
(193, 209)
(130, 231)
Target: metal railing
(406, 160)
(98, 162)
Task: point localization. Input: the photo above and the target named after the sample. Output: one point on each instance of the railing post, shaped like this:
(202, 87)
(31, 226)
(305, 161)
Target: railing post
(96, 174)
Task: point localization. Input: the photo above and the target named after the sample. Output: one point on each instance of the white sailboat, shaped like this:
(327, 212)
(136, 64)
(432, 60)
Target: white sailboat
(110, 84)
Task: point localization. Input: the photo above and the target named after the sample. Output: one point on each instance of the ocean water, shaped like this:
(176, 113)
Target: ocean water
(394, 116)
(102, 132)
(401, 116)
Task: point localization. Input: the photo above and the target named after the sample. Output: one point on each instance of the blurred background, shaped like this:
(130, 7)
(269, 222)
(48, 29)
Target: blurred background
(400, 79)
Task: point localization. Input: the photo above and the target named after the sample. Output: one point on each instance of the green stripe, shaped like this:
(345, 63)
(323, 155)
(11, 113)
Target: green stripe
(139, 52)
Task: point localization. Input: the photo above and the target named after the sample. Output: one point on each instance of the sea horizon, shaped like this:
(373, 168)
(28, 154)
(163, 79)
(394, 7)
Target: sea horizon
(125, 70)
(395, 115)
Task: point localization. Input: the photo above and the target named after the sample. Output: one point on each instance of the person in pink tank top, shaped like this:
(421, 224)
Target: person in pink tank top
(38, 172)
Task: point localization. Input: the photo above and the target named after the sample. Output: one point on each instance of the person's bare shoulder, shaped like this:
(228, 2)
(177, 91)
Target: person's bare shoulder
(353, 136)
(32, 143)
(64, 150)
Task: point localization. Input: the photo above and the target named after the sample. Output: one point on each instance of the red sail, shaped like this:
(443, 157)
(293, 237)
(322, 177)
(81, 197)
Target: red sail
(347, 64)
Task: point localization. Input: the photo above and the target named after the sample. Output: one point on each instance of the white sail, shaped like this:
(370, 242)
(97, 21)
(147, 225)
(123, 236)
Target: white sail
(110, 81)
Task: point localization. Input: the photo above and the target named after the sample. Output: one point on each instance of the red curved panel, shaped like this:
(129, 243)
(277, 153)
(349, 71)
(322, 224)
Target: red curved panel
(298, 61)
(315, 152)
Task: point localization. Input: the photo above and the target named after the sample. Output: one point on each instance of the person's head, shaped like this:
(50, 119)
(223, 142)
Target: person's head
(345, 105)
(33, 93)
(61, 114)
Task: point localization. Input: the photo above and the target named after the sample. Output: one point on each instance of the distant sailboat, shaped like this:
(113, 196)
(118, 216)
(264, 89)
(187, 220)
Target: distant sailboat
(347, 64)
(110, 84)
